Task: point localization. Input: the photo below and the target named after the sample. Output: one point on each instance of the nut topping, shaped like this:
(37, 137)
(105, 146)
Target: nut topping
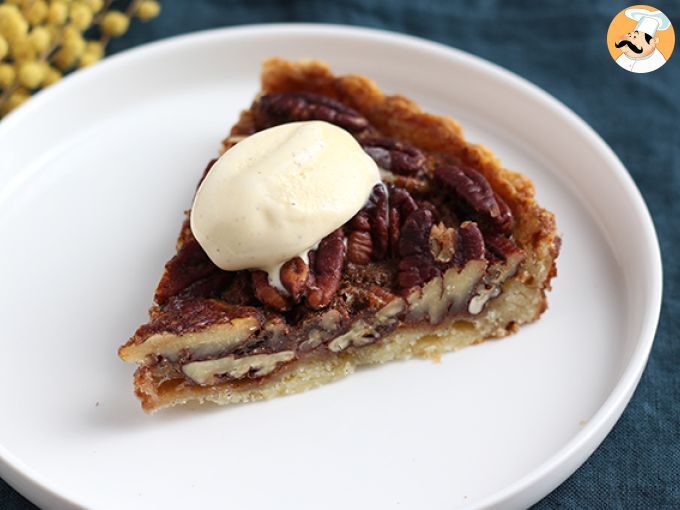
(499, 247)
(442, 242)
(378, 213)
(327, 262)
(274, 109)
(369, 234)
(458, 245)
(394, 156)
(268, 294)
(469, 243)
(318, 285)
(359, 242)
(476, 193)
(416, 264)
(401, 206)
(294, 274)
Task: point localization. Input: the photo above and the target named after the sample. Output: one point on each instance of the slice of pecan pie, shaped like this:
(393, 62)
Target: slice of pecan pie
(449, 250)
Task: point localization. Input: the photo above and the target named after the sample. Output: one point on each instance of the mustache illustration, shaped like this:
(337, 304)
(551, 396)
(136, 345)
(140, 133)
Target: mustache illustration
(626, 42)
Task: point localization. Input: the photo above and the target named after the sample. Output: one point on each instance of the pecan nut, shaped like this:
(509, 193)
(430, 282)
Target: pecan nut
(475, 192)
(457, 245)
(327, 263)
(499, 247)
(442, 242)
(379, 297)
(397, 157)
(379, 218)
(469, 244)
(267, 294)
(294, 274)
(359, 242)
(401, 205)
(416, 264)
(274, 109)
(369, 235)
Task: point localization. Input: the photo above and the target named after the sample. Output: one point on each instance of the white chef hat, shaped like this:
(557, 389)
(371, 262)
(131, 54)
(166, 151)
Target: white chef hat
(648, 21)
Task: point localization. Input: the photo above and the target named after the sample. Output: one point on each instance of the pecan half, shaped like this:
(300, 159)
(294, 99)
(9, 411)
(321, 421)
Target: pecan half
(368, 230)
(472, 188)
(359, 242)
(294, 274)
(274, 109)
(416, 264)
(469, 244)
(499, 247)
(397, 157)
(359, 298)
(401, 205)
(459, 245)
(327, 262)
(379, 296)
(267, 294)
(378, 214)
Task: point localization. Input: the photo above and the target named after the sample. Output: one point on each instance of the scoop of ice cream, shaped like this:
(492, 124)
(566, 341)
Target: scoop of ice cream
(276, 194)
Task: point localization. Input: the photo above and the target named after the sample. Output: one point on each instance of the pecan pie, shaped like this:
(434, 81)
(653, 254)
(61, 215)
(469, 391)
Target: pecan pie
(450, 249)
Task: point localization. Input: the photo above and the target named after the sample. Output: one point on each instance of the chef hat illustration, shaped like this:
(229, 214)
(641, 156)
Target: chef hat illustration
(648, 21)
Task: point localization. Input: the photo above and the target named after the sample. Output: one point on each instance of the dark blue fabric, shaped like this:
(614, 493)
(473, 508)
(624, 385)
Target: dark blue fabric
(638, 465)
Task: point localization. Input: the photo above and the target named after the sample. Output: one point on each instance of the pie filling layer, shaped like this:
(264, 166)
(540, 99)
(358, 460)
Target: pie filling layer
(432, 244)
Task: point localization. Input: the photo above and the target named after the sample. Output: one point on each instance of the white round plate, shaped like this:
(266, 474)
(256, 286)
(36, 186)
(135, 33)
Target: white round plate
(94, 175)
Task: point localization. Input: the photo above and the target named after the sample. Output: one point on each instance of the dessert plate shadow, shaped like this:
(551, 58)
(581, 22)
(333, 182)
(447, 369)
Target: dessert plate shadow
(94, 175)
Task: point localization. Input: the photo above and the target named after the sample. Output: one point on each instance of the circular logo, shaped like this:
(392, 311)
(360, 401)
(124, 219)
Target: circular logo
(641, 39)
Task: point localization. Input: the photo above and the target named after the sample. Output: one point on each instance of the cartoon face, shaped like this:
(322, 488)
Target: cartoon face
(637, 44)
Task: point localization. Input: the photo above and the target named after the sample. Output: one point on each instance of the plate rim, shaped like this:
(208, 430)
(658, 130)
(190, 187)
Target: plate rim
(546, 476)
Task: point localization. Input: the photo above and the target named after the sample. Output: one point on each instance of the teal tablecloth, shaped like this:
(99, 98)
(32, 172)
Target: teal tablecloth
(560, 46)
